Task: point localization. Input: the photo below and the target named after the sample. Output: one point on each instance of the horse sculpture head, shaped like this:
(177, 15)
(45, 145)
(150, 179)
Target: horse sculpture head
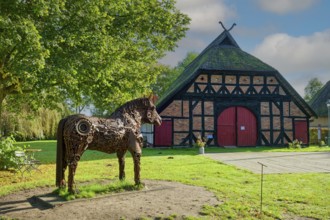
(150, 114)
(145, 107)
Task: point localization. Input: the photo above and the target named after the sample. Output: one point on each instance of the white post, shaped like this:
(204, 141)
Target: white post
(319, 134)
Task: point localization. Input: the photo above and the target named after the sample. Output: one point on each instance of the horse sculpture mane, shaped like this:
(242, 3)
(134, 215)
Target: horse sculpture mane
(117, 134)
(131, 106)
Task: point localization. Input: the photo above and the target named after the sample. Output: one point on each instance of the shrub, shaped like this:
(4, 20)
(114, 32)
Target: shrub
(18, 136)
(200, 142)
(7, 153)
(313, 135)
(295, 144)
(322, 143)
(26, 123)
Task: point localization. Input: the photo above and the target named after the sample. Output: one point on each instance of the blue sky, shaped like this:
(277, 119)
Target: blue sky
(293, 36)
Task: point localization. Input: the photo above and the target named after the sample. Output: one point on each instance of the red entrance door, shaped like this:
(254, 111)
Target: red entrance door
(301, 132)
(163, 134)
(237, 126)
(227, 127)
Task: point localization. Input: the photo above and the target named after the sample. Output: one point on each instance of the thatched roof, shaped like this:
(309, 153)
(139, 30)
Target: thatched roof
(224, 54)
(319, 100)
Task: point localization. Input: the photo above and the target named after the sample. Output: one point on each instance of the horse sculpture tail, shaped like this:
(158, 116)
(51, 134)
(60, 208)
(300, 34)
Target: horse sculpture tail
(60, 155)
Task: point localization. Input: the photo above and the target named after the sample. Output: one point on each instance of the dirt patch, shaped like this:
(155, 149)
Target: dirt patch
(158, 199)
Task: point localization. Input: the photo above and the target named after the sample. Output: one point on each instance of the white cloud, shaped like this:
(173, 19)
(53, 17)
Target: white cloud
(204, 26)
(206, 14)
(285, 6)
(297, 58)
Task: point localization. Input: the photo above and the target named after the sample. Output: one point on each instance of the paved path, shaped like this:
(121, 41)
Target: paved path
(277, 162)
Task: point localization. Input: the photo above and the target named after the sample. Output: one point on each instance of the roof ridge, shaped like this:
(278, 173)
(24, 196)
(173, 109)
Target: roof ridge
(318, 102)
(213, 43)
(224, 54)
(198, 62)
(319, 92)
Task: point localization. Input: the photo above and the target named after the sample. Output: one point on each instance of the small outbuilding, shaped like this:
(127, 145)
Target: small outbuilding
(231, 98)
(319, 105)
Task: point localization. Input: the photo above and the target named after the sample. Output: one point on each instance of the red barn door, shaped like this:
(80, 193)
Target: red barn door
(246, 127)
(301, 132)
(237, 126)
(227, 127)
(163, 134)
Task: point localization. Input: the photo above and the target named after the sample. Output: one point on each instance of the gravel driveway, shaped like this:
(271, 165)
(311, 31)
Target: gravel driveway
(277, 162)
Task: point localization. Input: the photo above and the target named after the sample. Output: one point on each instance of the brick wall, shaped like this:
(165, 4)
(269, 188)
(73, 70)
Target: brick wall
(181, 124)
(180, 109)
(287, 123)
(208, 108)
(198, 109)
(216, 79)
(264, 108)
(275, 109)
(178, 138)
(295, 111)
(286, 106)
(174, 109)
(197, 123)
(244, 80)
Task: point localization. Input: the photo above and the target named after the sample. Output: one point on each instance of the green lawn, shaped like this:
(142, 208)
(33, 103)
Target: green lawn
(48, 153)
(285, 195)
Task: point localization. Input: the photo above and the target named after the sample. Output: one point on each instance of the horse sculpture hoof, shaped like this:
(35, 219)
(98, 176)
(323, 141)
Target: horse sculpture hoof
(62, 184)
(140, 184)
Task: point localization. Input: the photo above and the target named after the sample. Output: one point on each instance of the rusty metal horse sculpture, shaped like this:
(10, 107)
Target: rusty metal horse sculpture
(117, 134)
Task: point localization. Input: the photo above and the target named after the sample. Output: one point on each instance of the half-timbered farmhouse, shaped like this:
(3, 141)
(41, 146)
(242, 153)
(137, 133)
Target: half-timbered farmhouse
(231, 98)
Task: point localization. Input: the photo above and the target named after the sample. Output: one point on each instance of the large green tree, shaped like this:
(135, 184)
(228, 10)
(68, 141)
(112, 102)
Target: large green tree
(103, 49)
(168, 74)
(313, 86)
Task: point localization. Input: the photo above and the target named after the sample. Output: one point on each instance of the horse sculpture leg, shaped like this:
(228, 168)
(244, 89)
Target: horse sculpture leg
(136, 159)
(61, 162)
(63, 183)
(121, 161)
(73, 163)
(135, 143)
(72, 171)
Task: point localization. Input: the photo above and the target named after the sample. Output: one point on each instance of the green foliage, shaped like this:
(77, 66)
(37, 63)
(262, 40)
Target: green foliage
(313, 86)
(25, 123)
(200, 142)
(92, 190)
(298, 195)
(48, 151)
(295, 144)
(168, 74)
(69, 49)
(322, 143)
(7, 153)
(313, 135)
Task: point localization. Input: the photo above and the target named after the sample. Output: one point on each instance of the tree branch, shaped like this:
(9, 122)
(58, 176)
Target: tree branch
(7, 57)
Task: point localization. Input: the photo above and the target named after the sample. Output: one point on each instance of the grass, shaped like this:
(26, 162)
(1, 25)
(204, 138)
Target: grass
(48, 151)
(285, 195)
(91, 190)
(47, 155)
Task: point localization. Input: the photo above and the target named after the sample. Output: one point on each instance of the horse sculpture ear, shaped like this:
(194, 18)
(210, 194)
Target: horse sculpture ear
(152, 98)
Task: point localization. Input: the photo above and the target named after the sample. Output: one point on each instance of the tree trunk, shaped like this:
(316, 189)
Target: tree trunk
(2, 98)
